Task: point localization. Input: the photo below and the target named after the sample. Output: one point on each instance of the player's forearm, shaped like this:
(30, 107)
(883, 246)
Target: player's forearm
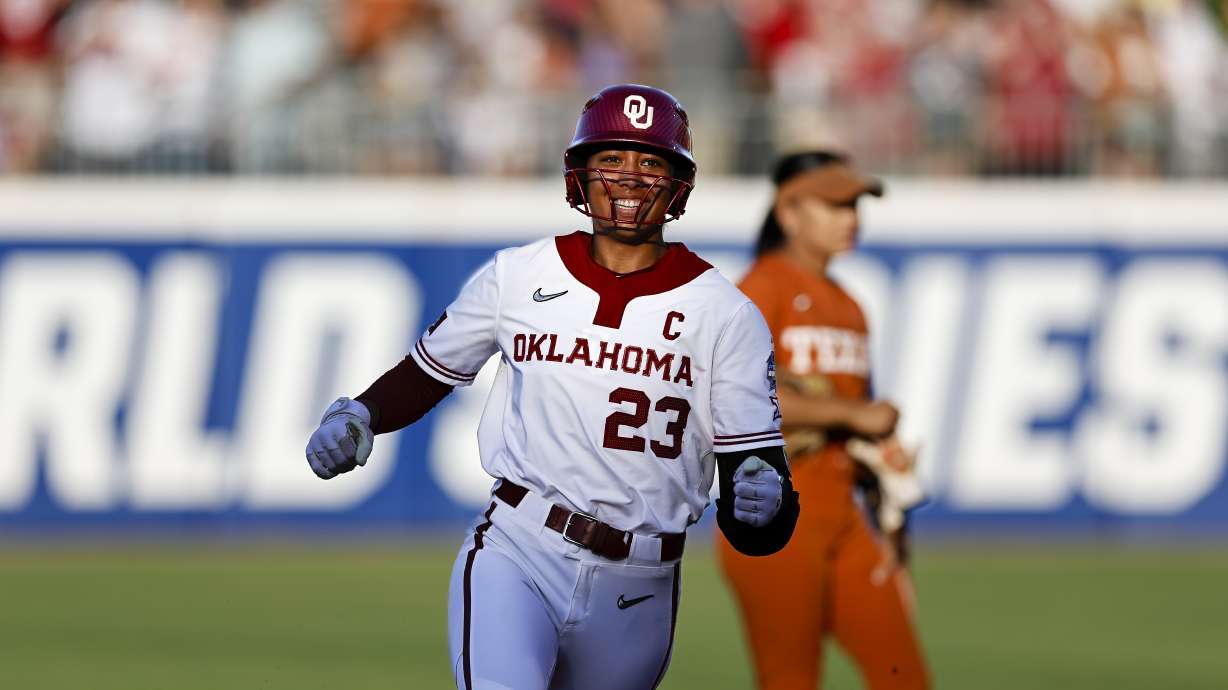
(401, 396)
(869, 418)
(747, 539)
(799, 410)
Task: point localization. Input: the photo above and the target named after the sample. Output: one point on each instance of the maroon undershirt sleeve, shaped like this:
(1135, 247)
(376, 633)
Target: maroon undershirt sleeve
(401, 396)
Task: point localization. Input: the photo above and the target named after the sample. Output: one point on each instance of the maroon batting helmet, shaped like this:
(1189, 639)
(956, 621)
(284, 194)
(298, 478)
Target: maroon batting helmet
(632, 116)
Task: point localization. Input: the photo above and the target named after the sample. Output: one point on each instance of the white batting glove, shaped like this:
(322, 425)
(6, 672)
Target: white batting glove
(343, 440)
(757, 492)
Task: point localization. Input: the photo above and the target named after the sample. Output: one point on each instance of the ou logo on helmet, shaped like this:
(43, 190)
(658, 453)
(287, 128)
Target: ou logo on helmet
(636, 108)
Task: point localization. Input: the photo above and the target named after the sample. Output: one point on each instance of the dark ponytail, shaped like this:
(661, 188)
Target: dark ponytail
(770, 234)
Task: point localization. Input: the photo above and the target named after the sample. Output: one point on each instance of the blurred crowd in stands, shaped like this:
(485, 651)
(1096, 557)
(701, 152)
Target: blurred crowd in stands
(934, 87)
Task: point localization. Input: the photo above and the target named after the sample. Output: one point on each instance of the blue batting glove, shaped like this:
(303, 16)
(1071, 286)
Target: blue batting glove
(757, 492)
(342, 441)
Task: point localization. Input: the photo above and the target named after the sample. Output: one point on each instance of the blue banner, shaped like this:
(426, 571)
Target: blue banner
(170, 385)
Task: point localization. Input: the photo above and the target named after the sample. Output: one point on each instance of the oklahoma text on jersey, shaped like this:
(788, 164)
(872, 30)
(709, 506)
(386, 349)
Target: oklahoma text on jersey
(602, 354)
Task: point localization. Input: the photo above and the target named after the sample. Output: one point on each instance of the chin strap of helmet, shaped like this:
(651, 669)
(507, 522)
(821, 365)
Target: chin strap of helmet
(608, 226)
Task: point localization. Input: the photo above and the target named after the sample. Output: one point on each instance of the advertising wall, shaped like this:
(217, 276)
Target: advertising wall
(1060, 352)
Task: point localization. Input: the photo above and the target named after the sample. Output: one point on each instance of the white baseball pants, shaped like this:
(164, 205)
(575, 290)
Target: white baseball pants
(528, 610)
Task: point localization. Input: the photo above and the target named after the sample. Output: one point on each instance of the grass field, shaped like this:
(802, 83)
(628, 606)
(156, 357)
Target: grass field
(272, 617)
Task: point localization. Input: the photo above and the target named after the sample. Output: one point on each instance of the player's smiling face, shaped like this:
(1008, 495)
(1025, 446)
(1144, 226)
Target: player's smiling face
(631, 192)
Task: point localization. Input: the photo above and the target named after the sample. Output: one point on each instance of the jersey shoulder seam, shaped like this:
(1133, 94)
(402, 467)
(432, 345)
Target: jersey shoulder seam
(528, 252)
(733, 314)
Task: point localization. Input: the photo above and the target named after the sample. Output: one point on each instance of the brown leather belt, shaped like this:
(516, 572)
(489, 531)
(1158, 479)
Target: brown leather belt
(585, 530)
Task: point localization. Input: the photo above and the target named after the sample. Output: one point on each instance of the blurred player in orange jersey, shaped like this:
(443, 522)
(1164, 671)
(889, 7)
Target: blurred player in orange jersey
(839, 575)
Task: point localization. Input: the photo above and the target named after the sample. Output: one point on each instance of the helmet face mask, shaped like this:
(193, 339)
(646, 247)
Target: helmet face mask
(631, 117)
(654, 205)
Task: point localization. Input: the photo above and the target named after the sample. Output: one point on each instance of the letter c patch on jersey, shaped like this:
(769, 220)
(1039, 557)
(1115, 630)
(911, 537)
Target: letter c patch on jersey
(668, 331)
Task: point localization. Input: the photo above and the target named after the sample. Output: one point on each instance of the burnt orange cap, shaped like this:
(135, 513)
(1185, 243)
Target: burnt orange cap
(836, 183)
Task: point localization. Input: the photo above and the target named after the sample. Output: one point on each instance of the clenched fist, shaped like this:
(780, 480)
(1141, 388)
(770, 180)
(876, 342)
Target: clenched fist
(342, 441)
(757, 492)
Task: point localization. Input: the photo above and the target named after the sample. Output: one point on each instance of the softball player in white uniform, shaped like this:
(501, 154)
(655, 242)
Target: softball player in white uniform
(629, 370)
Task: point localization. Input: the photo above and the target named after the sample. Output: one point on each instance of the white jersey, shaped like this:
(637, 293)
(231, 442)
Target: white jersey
(612, 392)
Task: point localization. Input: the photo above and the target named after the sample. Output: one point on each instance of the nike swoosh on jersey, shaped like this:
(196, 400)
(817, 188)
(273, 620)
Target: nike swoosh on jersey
(539, 297)
(628, 603)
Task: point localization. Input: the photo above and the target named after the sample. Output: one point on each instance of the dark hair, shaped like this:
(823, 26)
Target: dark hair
(770, 234)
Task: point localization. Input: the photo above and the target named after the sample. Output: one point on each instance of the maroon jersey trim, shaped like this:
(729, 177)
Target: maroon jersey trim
(774, 436)
(727, 437)
(440, 368)
(677, 267)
